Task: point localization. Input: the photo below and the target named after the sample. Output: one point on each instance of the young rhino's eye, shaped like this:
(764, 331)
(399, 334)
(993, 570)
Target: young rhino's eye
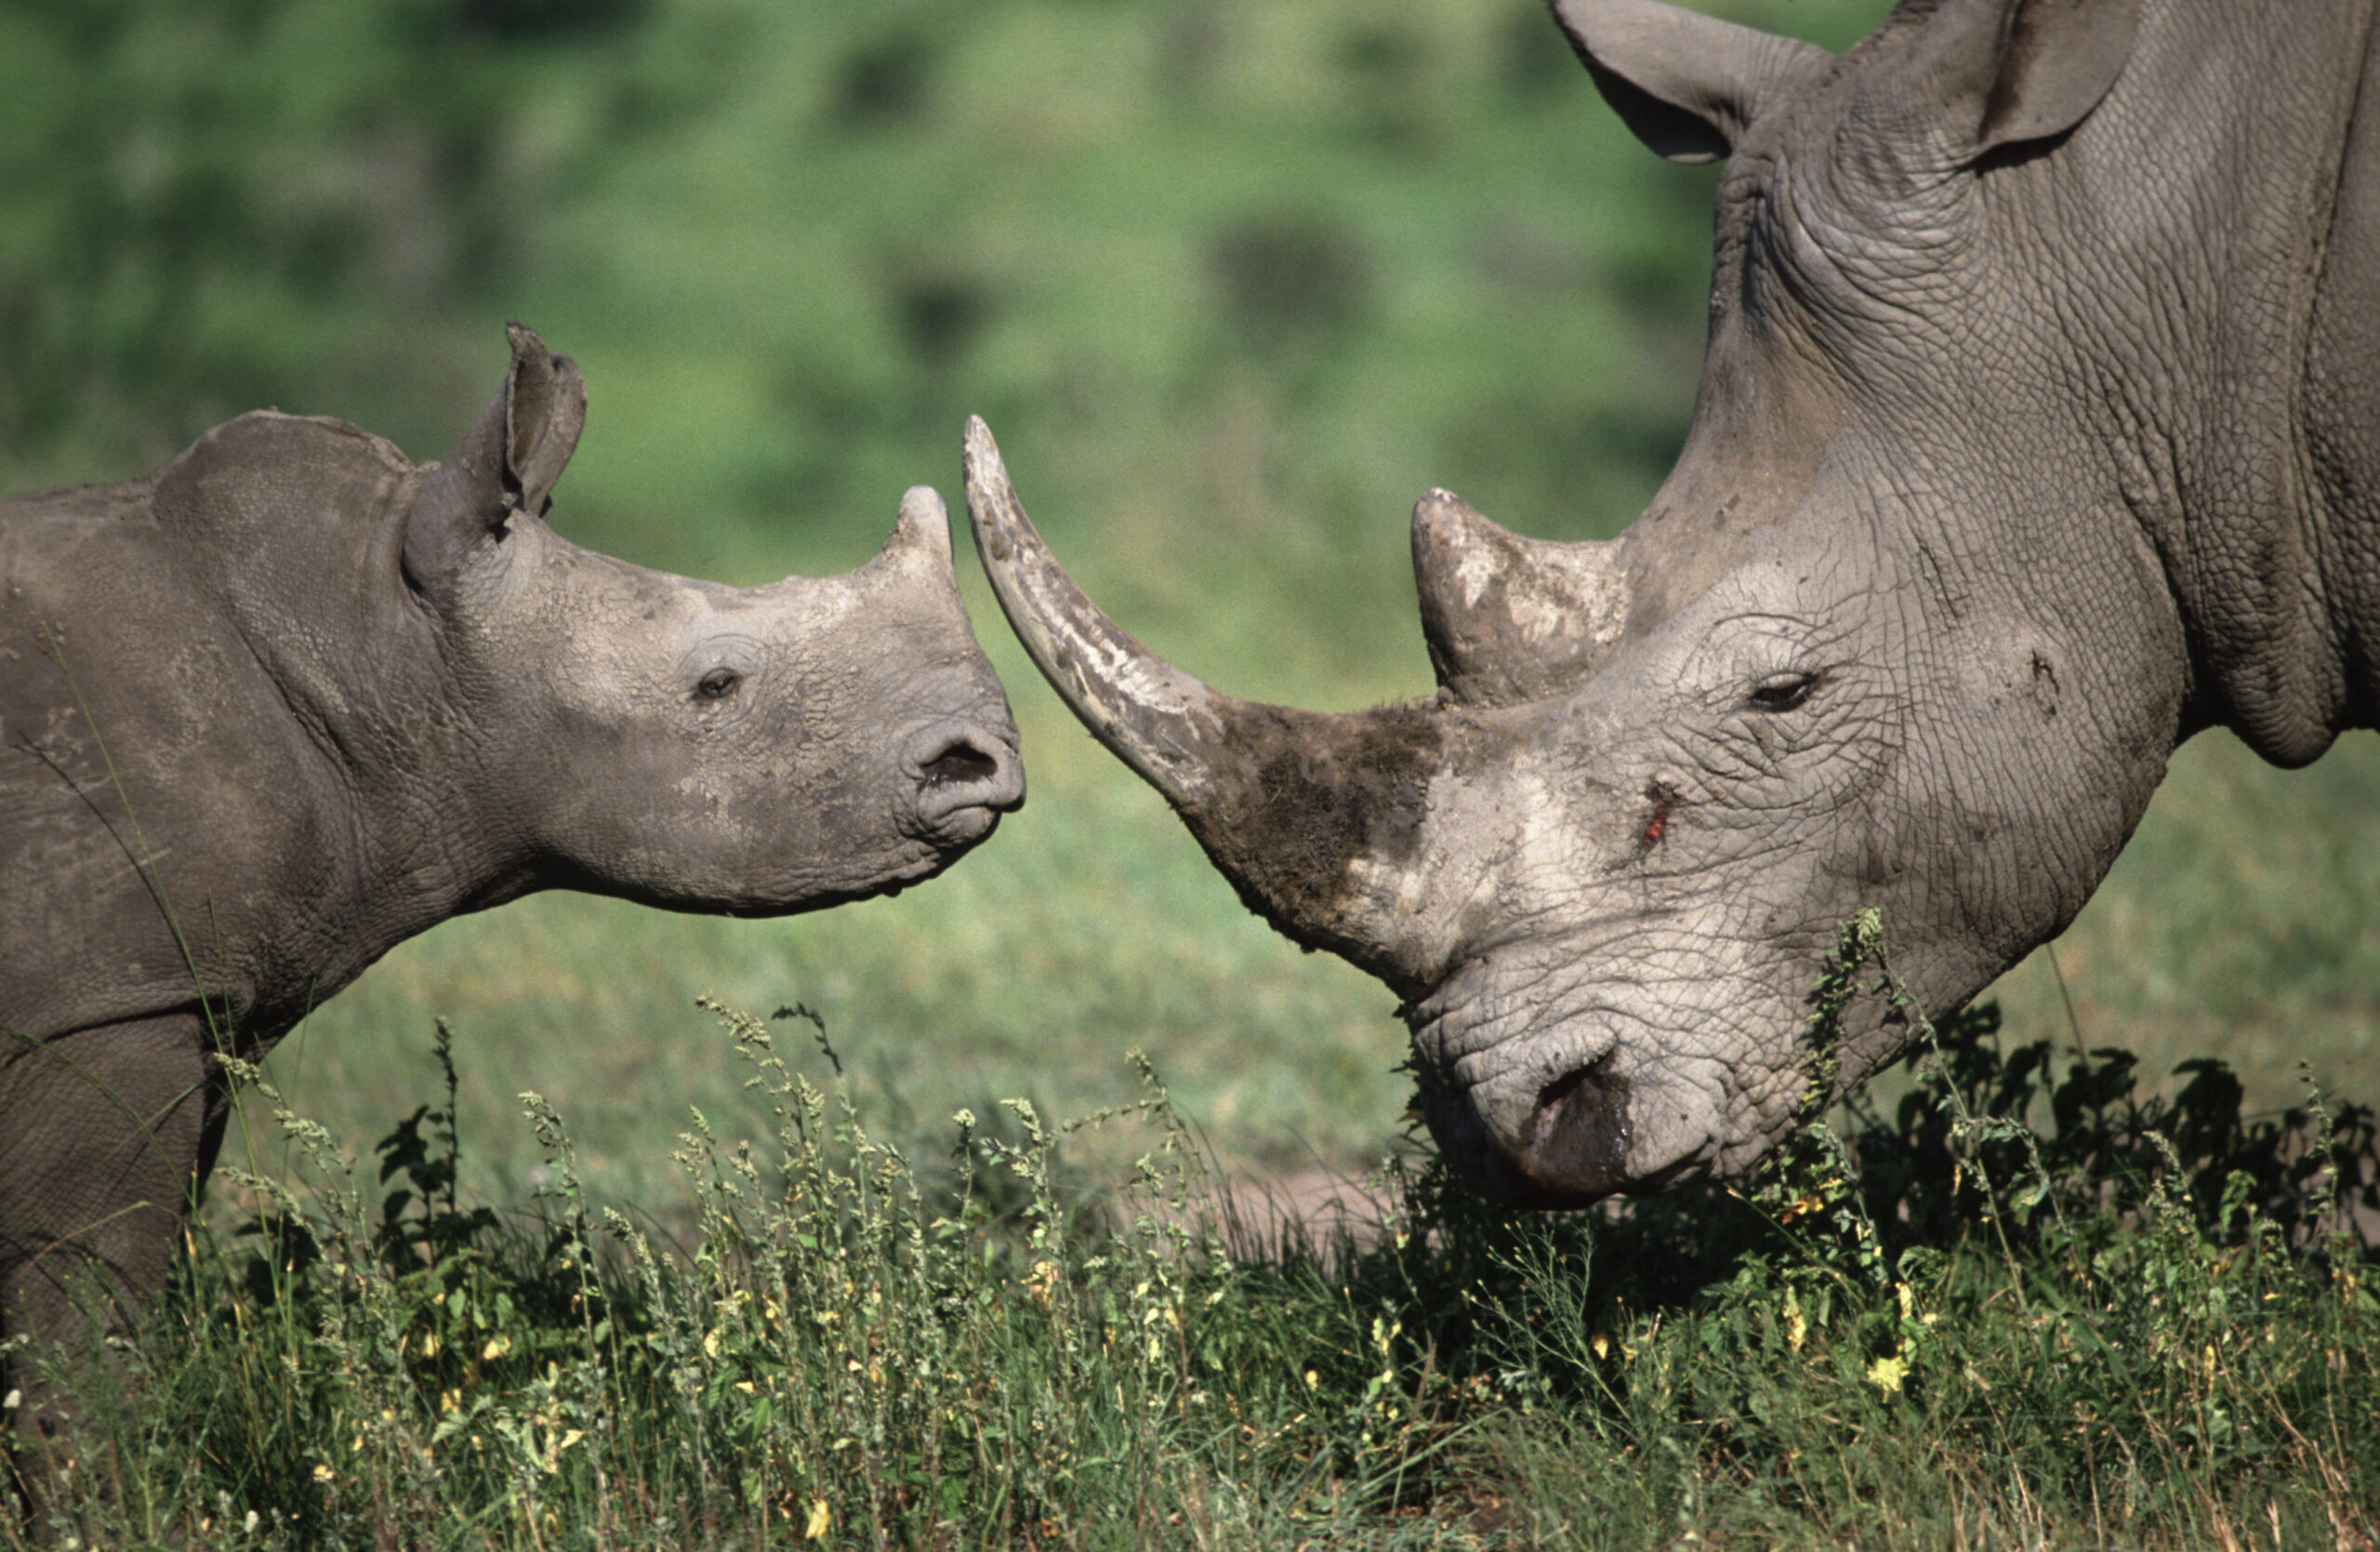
(718, 685)
(1782, 692)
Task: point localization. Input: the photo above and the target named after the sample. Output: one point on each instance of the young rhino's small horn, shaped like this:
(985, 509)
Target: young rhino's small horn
(1509, 618)
(921, 537)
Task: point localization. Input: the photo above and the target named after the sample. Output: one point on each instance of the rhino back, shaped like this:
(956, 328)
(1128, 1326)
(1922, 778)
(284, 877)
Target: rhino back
(172, 803)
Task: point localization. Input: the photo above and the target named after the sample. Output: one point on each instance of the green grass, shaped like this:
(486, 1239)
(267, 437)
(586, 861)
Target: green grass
(2032, 1306)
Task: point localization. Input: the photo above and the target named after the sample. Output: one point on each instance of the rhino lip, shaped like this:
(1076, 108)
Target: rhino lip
(1577, 1150)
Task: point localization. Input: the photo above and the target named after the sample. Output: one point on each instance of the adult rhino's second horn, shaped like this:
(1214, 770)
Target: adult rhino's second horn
(1308, 813)
(1510, 619)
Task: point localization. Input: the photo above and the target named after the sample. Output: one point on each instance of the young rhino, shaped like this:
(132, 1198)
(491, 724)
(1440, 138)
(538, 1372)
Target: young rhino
(291, 699)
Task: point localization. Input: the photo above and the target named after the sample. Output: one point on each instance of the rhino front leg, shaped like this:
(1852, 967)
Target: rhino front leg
(104, 1134)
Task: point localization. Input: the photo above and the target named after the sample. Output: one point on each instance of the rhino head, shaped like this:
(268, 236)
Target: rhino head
(688, 744)
(1892, 633)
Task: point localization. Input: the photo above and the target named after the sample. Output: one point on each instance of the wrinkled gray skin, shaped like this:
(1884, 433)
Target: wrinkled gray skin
(2037, 433)
(291, 699)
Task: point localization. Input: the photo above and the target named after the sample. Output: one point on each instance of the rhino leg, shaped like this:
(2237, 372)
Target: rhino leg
(107, 1129)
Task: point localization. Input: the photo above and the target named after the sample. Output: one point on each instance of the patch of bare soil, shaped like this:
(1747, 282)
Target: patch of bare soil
(1317, 1209)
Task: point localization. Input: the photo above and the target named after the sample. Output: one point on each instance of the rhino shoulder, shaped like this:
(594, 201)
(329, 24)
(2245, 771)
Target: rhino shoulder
(278, 481)
(265, 445)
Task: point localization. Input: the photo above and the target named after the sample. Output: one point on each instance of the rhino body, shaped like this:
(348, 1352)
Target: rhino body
(291, 699)
(2039, 429)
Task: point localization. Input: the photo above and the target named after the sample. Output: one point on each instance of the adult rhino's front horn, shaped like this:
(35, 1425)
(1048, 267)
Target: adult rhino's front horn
(1314, 816)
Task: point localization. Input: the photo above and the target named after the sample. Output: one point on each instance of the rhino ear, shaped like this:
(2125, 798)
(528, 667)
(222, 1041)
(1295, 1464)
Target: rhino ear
(1987, 73)
(1687, 85)
(545, 409)
(508, 461)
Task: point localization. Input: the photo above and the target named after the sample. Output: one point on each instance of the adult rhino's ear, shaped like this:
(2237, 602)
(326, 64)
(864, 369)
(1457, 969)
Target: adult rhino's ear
(1981, 74)
(508, 462)
(1687, 85)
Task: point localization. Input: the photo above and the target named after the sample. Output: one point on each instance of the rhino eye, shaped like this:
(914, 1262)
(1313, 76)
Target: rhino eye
(1784, 692)
(718, 685)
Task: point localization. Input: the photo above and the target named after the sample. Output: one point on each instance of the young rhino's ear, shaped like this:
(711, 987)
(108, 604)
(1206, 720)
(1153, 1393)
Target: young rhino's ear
(508, 461)
(1687, 85)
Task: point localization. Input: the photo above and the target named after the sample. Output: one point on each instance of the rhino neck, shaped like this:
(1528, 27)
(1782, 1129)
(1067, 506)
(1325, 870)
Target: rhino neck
(2342, 395)
(297, 527)
(2231, 370)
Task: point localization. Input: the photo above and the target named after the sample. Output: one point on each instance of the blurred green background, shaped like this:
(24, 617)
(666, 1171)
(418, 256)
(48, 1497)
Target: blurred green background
(1233, 282)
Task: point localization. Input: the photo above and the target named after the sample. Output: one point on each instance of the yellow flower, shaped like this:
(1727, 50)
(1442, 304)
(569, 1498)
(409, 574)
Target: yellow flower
(1887, 1374)
(1044, 1276)
(820, 1517)
(322, 1473)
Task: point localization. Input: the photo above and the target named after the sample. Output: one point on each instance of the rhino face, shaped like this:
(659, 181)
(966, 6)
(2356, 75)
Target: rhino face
(682, 743)
(1887, 637)
(1602, 902)
(1620, 998)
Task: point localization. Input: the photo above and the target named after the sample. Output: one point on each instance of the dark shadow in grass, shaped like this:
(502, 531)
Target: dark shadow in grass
(2039, 1156)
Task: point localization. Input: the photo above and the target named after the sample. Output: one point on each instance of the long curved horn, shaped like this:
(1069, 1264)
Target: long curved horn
(1169, 728)
(1511, 618)
(1312, 815)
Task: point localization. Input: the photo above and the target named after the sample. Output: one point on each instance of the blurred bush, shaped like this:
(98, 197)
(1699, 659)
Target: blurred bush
(1234, 280)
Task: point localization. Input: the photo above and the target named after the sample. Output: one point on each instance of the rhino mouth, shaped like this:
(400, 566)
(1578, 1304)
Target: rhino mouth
(1543, 1106)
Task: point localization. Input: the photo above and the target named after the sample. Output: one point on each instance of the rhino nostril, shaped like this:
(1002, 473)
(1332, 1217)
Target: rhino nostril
(1578, 1143)
(960, 761)
(964, 776)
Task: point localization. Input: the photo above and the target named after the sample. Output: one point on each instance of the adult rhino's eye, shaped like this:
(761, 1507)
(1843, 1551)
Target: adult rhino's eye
(1782, 692)
(718, 685)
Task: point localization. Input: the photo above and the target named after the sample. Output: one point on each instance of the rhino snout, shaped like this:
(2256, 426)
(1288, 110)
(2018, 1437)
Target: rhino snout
(958, 779)
(1596, 1133)
(1561, 1111)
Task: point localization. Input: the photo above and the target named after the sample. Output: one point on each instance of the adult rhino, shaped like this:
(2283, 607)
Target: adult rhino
(291, 699)
(2039, 429)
